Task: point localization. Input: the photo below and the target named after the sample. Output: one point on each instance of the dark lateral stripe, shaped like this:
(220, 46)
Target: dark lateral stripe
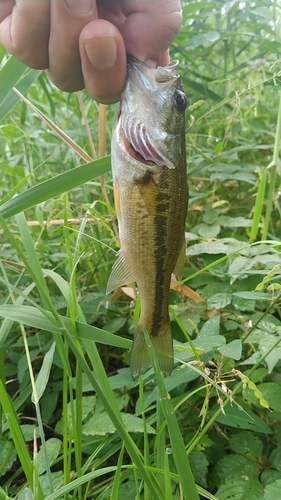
(160, 253)
(161, 291)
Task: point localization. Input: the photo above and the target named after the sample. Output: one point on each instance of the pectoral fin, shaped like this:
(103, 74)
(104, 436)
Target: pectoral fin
(120, 274)
(179, 267)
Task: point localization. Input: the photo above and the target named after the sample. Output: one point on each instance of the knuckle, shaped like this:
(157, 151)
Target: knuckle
(66, 82)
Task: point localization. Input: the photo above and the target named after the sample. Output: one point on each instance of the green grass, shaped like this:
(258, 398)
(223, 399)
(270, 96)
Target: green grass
(73, 423)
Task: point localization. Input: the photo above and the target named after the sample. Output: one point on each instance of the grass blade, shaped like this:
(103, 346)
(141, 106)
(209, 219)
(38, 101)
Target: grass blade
(40, 319)
(43, 375)
(145, 435)
(18, 438)
(55, 186)
(10, 74)
(177, 444)
(273, 173)
(23, 85)
(160, 442)
(167, 477)
(117, 477)
(258, 206)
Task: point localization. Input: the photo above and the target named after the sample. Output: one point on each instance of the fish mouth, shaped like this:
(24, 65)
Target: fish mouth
(138, 143)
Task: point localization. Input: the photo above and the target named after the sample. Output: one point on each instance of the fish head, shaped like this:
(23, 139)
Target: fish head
(152, 113)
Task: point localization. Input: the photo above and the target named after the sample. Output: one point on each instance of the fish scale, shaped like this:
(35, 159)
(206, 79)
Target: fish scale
(151, 202)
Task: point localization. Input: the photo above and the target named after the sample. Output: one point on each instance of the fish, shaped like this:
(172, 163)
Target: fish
(148, 155)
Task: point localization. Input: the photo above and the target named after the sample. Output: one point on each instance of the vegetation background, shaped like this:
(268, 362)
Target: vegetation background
(73, 424)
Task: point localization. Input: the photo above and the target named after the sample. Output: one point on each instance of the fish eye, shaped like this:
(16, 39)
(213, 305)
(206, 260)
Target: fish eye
(180, 101)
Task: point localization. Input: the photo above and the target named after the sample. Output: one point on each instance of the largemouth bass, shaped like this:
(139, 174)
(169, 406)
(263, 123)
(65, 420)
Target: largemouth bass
(151, 196)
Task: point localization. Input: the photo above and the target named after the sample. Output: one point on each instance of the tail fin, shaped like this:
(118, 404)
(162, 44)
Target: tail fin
(163, 345)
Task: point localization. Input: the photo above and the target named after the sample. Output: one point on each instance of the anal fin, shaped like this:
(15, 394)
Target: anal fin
(120, 274)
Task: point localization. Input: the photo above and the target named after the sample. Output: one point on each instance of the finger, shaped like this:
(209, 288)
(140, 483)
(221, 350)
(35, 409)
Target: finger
(103, 56)
(164, 60)
(6, 8)
(24, 30)
(68, 19)
(158, 22)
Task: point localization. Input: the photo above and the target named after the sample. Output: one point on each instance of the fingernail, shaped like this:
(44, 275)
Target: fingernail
(102, 52)
(79, 6)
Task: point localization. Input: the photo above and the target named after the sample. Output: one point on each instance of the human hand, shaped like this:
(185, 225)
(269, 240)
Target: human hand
(83, 43)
